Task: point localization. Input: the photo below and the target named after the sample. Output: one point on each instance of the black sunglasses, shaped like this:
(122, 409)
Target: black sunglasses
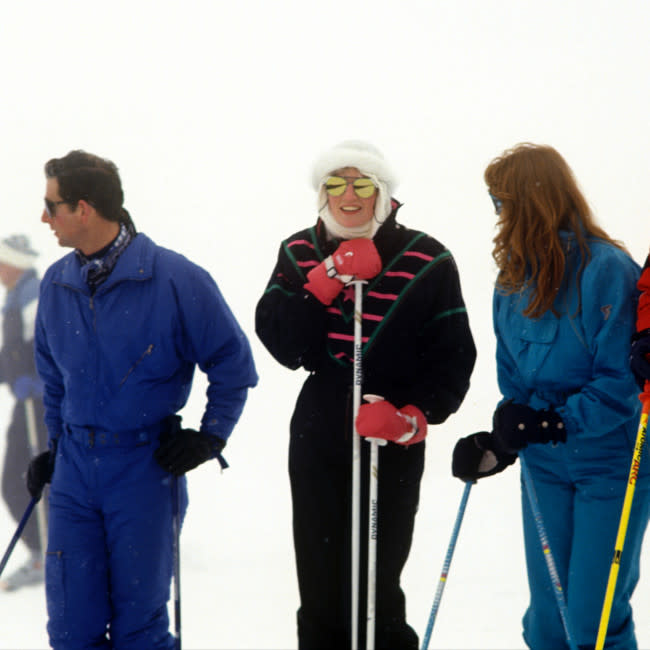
(50, 207)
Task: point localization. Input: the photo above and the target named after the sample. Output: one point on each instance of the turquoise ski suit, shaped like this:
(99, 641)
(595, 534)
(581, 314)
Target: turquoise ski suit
(578, 364)
(115, 365)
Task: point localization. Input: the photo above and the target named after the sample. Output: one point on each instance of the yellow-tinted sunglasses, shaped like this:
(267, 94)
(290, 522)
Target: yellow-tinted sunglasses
(363, 187)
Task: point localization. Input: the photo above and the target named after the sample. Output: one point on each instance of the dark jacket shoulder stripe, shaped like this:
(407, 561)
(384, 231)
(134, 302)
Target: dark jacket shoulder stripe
(405, 290)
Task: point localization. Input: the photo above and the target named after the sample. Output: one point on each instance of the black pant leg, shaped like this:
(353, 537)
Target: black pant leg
(17, 457)
(399, 474)
(319, 489)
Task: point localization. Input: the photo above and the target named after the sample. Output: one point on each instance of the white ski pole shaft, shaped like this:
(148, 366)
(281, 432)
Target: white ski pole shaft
(356, 461)
(373, 479)
(32, 439)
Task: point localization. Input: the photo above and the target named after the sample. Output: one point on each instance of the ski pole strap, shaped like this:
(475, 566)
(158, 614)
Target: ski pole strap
(222, 462)
(546, 549)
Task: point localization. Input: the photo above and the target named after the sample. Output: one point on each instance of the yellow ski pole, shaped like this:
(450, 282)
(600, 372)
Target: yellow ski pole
(625, 517)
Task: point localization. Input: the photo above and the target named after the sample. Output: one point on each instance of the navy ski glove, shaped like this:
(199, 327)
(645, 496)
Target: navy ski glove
(39, 472)
(516, 425)
(181, 450)
(639, 359)
(477, 456)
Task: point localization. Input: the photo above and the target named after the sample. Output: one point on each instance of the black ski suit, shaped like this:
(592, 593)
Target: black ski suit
(417, 349)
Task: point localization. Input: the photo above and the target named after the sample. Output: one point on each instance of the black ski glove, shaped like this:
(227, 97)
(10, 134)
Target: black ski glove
(184, 449)
(639, 359)
(477, 456)
(39, 472)
(516, 425)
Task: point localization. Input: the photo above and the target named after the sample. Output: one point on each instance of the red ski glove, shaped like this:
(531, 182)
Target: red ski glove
(323, 283)
(382, 420)
(354, 258)
(358, 258)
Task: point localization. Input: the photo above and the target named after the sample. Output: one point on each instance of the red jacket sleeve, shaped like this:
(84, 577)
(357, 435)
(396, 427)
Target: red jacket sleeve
(643, 314)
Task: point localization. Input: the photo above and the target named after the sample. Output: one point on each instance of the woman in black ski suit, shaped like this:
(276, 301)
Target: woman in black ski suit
(418, 354)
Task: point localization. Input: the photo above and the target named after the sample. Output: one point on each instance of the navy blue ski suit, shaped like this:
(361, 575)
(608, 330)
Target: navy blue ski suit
(115, 364)
(578, 364)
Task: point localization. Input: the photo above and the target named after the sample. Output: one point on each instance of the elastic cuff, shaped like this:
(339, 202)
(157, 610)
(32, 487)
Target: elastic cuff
(420, 424)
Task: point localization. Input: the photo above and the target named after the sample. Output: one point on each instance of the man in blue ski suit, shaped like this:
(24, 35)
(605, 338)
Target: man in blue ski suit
(122, 323)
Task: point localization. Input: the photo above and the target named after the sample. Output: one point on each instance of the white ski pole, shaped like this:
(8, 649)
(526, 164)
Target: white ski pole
(373, 515)
(373, 523)
(32, 439)
(356, 460)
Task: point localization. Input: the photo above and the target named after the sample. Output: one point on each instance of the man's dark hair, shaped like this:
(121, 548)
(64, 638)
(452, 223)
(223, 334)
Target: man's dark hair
(82, 175)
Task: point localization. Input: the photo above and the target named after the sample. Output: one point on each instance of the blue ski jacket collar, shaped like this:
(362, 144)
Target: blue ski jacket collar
(135, 263)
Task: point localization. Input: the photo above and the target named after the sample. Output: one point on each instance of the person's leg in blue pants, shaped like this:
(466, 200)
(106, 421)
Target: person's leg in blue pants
(543, 626)
(581, 507)
(109, 562)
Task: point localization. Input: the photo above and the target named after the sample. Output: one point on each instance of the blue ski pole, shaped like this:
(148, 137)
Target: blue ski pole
(546, 549)
(18, 533)
(445, 566)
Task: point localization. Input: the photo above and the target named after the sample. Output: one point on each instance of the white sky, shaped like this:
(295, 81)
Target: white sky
(214, 111)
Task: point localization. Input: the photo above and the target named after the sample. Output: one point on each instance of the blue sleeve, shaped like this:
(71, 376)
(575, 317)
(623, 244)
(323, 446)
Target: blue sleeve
(609, 398)
(213, 340)
(51, 377)
(511, 383)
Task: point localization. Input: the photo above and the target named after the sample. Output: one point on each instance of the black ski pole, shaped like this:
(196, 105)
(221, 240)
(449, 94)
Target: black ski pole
(18, 533)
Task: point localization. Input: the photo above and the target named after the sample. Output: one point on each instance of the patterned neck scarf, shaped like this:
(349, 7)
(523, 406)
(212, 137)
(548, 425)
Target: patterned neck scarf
(97, 267)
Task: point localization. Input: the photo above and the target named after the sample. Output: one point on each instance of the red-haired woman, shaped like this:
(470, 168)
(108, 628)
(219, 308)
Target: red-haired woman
(564, 311)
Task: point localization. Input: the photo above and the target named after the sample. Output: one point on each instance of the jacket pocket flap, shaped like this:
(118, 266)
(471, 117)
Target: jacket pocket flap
(543, 330)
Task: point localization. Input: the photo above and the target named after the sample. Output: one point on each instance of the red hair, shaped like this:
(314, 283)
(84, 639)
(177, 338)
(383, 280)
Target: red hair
(539, 196)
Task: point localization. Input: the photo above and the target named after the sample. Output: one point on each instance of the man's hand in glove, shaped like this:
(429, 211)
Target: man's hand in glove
(39, 472)
(184, 449)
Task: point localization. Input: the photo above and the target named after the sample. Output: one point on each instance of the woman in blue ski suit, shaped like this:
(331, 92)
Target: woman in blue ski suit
(120, 330)
(564, 311)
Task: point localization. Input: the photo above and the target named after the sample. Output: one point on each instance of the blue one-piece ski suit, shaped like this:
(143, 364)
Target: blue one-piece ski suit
(578, 364)
(115, 364)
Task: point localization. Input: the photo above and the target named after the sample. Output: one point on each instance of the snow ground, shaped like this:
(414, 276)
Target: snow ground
(214, 111)
(238, 581)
